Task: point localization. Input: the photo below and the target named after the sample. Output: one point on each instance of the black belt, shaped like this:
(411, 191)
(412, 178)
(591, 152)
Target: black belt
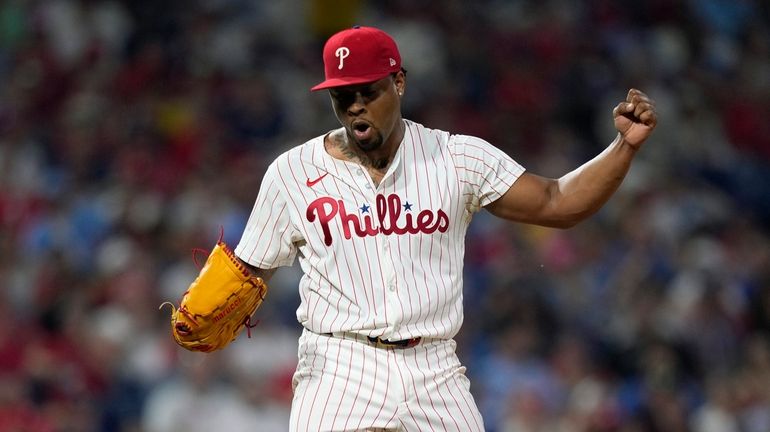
(384, 343)
(404, 343)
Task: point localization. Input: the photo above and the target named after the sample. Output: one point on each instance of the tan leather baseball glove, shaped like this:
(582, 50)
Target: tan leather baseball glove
(218, 304)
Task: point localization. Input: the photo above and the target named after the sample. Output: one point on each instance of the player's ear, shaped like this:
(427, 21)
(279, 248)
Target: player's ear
(399, 81)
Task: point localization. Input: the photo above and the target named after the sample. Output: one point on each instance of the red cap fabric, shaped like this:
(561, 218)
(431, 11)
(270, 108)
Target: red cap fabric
(359, 55)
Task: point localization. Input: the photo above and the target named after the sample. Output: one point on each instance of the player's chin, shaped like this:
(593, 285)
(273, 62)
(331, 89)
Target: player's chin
(372, 143)
(369, 145)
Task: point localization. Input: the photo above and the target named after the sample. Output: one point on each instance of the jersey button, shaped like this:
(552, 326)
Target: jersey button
(360, 172)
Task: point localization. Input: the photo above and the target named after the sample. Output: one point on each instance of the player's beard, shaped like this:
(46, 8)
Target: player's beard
(372, 143)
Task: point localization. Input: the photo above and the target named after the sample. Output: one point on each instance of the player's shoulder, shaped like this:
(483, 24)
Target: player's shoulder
(454, 142)
(293, 157)
(306, 152)
(442, 137)
(419, 132)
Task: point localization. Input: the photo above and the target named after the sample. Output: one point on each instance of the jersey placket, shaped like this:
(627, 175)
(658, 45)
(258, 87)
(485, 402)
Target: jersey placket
(395, 308)
(392, 313)
(364, 177)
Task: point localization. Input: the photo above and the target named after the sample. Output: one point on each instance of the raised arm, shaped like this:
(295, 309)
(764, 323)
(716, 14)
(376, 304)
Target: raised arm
(563, 202)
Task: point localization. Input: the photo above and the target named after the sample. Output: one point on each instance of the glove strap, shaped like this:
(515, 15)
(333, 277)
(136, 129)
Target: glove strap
(195, 253)
(247, 323)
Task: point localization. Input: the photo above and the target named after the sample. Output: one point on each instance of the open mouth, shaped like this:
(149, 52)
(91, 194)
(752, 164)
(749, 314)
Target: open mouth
(361, 129)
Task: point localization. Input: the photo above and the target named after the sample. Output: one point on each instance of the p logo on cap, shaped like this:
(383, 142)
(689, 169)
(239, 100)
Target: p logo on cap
(358, 55)
(342, 53)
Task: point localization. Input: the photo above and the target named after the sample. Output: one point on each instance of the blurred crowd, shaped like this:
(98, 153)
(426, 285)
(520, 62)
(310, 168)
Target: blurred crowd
(131, 132)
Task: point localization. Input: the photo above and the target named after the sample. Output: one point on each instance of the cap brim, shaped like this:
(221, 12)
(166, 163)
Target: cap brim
(342, 82)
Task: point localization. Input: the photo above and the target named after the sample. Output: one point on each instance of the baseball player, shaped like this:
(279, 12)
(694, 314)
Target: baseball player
(377, 211)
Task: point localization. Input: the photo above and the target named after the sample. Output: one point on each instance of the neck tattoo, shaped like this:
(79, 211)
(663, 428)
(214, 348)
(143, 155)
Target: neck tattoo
(380, 164)
(347, 150)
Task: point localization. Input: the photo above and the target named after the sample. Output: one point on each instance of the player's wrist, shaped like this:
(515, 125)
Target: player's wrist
(622, 143)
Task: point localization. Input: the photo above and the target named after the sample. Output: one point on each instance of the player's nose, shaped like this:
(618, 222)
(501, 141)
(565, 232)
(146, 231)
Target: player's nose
(357, 105)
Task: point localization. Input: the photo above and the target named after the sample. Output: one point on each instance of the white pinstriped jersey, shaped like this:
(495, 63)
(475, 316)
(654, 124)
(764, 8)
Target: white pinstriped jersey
(382, 260)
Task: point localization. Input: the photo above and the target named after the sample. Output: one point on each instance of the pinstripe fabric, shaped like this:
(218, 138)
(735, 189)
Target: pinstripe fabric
(345, 385)
(378, 260)
(388, 261)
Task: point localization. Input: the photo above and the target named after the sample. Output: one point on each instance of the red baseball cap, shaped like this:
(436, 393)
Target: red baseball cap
(359, 55)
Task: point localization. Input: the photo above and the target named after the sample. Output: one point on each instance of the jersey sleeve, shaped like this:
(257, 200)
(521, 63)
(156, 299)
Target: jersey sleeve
(485, 171)
(269, 239)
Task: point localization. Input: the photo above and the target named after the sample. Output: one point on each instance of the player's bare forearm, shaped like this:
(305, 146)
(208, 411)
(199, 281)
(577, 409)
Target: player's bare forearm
(563, 202)
(583, 191)
(265, 274)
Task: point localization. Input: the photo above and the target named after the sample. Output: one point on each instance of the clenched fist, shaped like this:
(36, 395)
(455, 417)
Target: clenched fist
(635, 118)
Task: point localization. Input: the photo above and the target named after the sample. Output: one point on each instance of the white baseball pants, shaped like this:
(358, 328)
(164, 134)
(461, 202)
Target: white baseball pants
(348, 384)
